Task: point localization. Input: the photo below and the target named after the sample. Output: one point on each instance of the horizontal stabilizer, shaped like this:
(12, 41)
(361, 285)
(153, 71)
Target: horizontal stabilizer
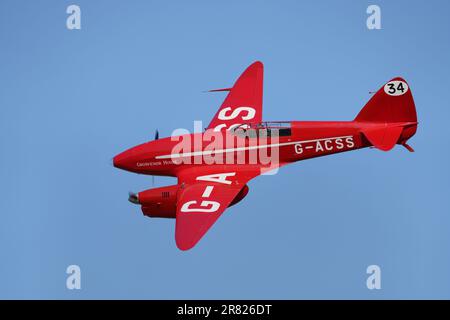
(383, 138)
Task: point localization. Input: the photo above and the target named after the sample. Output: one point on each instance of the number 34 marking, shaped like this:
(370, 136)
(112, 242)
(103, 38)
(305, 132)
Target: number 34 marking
(396, 88)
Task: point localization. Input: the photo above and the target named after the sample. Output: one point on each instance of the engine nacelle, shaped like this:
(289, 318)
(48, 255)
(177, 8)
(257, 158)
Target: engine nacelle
(162, 202)
(159, 202)
(241, 195)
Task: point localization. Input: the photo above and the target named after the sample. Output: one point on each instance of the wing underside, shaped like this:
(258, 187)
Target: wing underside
(202, 199)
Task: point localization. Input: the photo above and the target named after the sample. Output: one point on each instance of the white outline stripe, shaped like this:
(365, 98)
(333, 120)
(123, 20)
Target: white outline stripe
(209, 152)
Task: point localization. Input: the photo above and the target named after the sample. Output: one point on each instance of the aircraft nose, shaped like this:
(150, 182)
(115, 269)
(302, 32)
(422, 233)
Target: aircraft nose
(121, 160)
(127, 160)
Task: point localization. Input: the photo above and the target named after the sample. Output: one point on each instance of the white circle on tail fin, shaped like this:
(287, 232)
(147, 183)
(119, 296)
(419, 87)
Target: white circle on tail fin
(396, 88)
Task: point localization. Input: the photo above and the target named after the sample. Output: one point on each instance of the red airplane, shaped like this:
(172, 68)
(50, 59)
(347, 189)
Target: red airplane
(214, 167)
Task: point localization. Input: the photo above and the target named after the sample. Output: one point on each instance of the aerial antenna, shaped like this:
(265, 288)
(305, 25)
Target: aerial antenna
(219, 90)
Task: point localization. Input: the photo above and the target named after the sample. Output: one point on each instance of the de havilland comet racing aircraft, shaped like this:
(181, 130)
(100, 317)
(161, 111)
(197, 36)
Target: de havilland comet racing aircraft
(213, 167)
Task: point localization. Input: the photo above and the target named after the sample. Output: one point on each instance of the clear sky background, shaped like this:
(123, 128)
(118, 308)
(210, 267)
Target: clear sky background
(71, 100)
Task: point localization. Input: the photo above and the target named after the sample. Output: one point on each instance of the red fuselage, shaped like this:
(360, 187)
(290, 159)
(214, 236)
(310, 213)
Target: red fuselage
(296, 141)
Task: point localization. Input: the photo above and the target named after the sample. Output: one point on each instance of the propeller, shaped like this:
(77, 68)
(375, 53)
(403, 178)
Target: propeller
(156, 138)
(133, 197)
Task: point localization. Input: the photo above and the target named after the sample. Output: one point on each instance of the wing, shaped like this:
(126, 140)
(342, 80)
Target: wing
(243, 103)
(203, 196)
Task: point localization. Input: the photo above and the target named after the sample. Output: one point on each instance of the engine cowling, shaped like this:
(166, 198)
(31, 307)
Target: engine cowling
(159, 202)
(162, 202)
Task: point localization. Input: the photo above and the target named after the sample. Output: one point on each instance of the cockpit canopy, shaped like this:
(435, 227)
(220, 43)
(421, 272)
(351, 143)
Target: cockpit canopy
(263, 129)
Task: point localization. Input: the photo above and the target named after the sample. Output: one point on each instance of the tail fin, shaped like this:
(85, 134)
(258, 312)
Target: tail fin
(392, 103)
(390, 116)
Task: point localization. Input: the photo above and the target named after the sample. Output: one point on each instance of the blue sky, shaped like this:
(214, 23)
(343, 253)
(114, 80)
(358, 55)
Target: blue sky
(71, 100)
